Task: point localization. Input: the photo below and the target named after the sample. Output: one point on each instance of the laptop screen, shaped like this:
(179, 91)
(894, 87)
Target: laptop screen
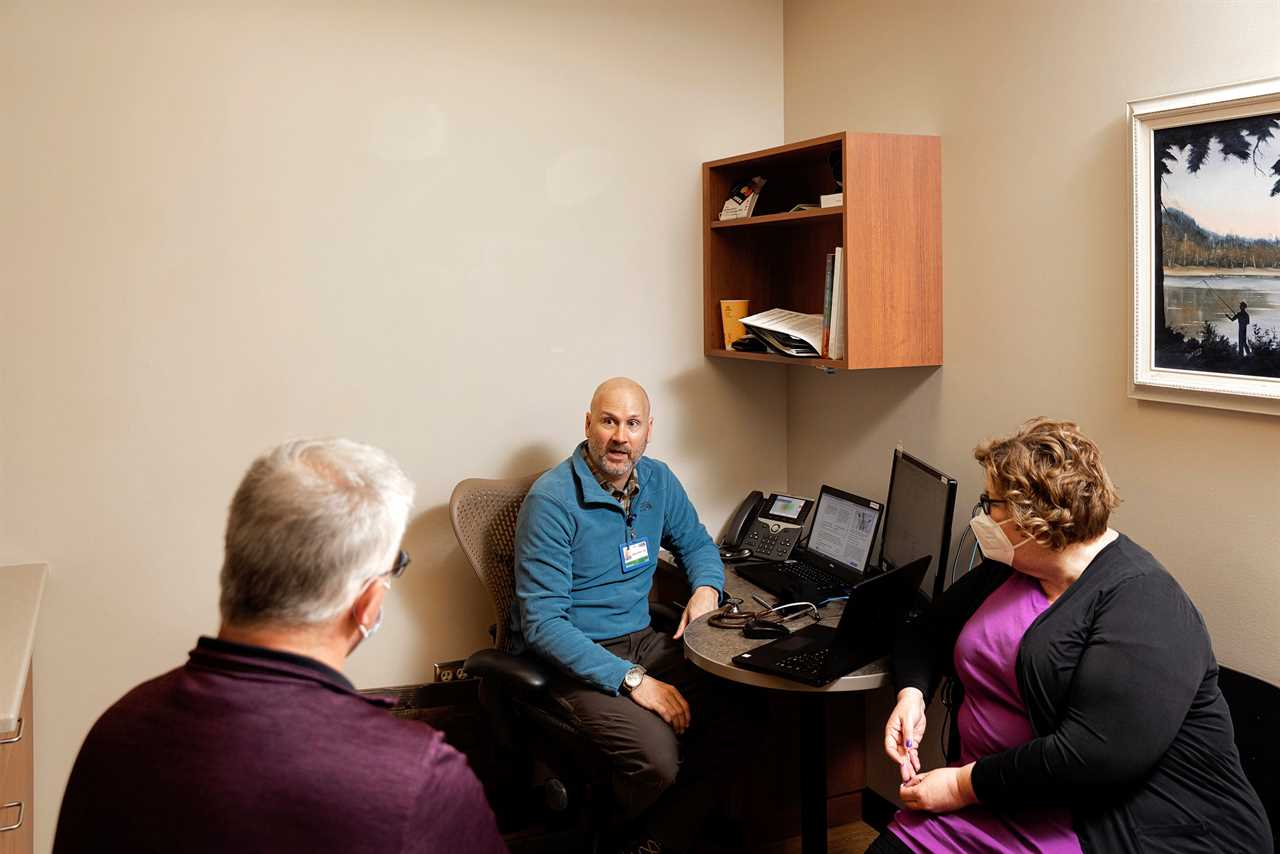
(844, 527)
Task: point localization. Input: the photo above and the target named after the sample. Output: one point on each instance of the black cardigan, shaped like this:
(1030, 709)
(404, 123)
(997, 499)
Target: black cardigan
(1121, 686)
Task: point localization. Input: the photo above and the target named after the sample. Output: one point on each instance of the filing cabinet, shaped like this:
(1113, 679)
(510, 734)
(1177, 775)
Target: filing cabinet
(16, 780)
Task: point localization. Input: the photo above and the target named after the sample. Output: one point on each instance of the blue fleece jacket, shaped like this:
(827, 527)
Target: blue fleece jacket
(571, 587)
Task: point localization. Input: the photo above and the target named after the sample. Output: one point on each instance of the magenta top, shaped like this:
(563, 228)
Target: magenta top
(992, 718)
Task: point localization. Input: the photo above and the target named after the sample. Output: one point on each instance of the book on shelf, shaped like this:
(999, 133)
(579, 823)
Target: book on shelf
(742, 198)
(839, 306)
(789, 332)
(831, 200)
(826, 305)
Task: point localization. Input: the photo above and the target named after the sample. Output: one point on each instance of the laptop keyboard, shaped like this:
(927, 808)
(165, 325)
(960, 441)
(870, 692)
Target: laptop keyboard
(810, 663)
(824, 582)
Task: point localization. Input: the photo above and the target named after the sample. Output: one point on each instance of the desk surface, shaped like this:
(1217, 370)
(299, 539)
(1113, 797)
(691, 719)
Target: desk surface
(713, 649)
(20, 590)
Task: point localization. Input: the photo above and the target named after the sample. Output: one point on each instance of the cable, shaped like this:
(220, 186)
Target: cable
(731, 617)
(944, 731)
(955, 557)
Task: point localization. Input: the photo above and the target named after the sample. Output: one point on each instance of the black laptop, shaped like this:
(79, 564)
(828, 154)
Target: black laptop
(834, 556)
(818, 654)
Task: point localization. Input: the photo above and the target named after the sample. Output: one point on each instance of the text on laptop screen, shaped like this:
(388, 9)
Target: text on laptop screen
(786, 507)
(842, 530)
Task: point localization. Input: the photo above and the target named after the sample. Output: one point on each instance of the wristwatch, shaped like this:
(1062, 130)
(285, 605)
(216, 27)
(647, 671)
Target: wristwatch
(632, 680)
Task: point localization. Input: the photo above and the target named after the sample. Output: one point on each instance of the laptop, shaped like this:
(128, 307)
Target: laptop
(831, 559)
(817, 654)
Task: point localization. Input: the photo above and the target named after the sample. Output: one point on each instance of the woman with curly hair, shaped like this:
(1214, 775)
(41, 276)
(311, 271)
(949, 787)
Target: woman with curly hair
(1089, 716)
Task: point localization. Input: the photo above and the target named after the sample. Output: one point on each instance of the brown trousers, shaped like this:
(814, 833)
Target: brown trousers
(667, 782)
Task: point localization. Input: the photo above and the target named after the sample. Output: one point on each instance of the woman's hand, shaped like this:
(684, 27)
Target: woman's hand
(903, 731)
(939, 790)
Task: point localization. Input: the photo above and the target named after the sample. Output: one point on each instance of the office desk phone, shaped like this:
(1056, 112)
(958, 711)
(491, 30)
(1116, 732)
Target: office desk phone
(770, 527)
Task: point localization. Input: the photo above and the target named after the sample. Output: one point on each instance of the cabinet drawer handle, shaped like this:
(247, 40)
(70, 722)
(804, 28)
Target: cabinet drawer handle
(8, 827)
(16, 737)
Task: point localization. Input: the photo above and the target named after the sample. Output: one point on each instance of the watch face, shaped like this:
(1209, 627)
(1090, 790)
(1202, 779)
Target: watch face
(633, 678)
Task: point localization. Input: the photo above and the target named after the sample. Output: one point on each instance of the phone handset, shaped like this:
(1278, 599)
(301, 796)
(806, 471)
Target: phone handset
(736, 531)
(765, 528)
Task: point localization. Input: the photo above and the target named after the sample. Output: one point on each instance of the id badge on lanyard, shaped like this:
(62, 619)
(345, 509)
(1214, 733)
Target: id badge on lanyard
(634, 554)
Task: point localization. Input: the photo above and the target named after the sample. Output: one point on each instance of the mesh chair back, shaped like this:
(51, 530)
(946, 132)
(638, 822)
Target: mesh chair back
(484, 521)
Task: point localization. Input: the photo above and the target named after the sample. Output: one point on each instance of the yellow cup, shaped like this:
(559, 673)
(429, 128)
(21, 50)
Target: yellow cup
(731, 313)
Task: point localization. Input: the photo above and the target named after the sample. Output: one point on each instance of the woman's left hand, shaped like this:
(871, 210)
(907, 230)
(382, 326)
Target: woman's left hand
(939, 790)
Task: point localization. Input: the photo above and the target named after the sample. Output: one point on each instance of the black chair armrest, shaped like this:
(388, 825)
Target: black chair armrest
(521, 673)
(665, 617)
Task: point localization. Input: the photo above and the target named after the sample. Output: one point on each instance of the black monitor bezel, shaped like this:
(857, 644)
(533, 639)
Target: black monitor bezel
(944, 555)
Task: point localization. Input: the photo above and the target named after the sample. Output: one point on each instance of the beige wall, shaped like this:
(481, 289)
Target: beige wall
(1029, 98)
(433, 227)
(226, 227)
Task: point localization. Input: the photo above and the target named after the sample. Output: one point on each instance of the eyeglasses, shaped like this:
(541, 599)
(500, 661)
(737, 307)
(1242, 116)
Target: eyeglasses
(402, 561)
(985, 501)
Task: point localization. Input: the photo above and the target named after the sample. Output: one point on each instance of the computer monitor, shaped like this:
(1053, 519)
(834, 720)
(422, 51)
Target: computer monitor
(917, 521)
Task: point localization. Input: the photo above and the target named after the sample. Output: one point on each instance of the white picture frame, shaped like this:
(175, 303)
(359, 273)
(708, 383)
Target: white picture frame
(1179, 371)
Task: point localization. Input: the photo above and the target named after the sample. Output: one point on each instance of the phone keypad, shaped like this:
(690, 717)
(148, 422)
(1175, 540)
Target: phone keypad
(772, 542)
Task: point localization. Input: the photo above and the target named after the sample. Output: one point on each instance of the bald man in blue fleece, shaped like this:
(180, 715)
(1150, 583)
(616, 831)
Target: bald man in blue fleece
(586, 549)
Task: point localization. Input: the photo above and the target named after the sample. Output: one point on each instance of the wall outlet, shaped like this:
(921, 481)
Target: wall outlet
(451, 671)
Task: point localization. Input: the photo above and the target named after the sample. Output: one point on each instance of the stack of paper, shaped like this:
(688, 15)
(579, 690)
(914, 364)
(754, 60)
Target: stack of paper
(788, 332)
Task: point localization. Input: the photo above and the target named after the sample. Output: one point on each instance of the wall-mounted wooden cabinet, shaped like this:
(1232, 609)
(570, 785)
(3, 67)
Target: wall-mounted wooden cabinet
(890, 227)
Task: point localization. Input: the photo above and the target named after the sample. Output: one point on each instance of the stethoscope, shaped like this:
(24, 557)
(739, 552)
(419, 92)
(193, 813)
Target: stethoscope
(732, 616)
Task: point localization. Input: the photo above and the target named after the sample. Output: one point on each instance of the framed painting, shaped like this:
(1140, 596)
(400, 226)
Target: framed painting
(1206, 247)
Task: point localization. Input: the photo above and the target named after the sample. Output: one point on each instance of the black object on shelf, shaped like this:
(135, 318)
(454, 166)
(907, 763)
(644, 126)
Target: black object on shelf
(750, 344)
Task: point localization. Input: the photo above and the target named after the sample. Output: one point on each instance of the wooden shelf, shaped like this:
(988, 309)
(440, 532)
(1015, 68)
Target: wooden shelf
(890, 226)
(780, 360)
(788, 218)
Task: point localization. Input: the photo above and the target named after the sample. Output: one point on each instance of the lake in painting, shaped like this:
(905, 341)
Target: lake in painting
(1190, 299)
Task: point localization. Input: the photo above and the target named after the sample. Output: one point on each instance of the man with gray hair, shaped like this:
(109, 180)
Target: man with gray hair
(259, 743)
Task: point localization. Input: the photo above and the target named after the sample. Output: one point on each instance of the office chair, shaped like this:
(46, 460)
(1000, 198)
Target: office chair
(1255, 713)
(527, 720)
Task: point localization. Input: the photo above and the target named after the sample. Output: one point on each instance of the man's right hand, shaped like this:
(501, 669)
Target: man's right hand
(664, 701)
(903, 731)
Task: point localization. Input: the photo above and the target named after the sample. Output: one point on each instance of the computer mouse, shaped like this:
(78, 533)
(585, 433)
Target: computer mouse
(758, 629)
(729, 553)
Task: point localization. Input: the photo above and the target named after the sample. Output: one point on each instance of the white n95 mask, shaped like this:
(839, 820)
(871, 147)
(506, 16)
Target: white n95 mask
(365, 634)
(992, 539)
